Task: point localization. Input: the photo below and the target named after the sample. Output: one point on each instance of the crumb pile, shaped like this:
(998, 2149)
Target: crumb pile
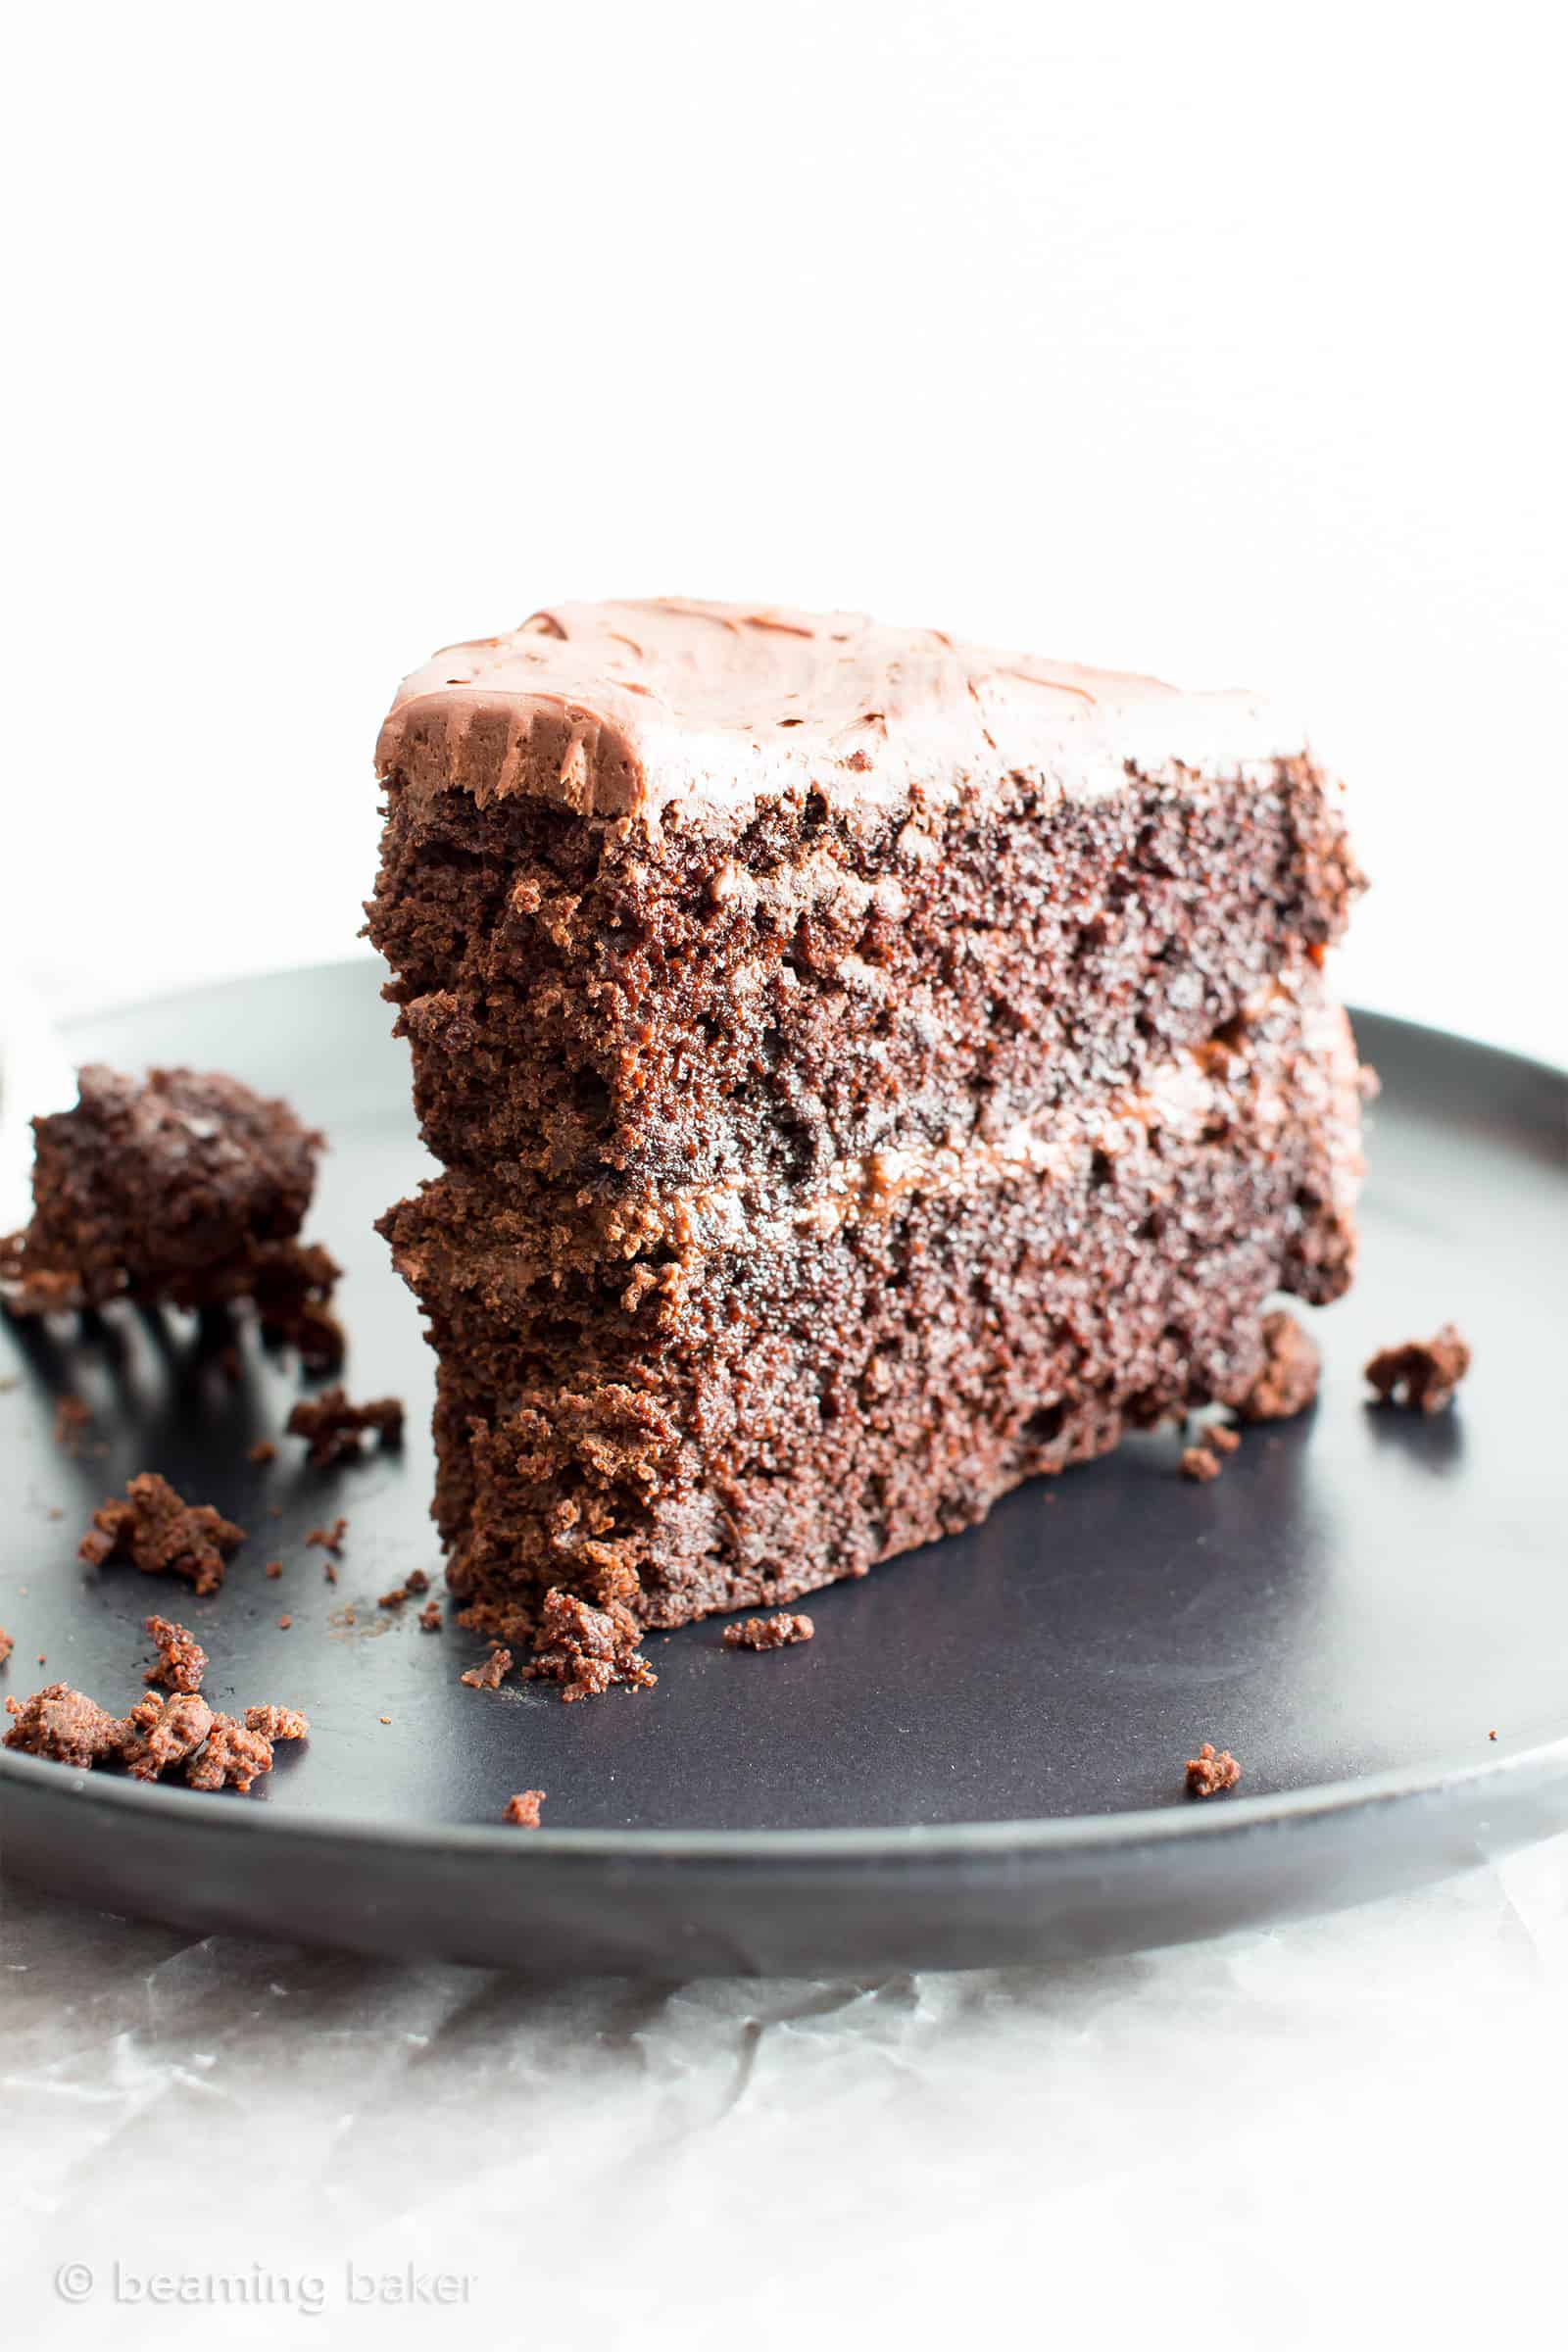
(181, 1660)
(159, 1735)
(184, 1189)
(158, 1532)
(586, 1650)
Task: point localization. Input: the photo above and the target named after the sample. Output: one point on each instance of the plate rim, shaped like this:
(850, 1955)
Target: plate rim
(1536, 1767)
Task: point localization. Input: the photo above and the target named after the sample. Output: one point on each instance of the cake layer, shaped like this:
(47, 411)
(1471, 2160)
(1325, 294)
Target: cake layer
(772, 1390)
(592, 1008)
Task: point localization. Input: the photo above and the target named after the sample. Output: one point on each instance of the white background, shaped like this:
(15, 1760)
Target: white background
(1225, 343)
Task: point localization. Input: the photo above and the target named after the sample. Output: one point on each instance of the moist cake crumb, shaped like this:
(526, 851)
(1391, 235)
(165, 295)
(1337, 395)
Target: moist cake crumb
(162, 1534)
(181, 1188)
(1423, 1374)
(64, 1726)
(275, 1569)
(336, 1428)
(769, 1632)
(329, 1539)
(181, 1660)
(1198, 1463)
(7, 1645)
(1286, 1381)
(522, 1810)
(262, 1452)
(277, 1723)
(1208, 1772)
(430, 1617)
(488, 1676)
(587, 1649)
(232, 1757)
(284, 1622)
(168, 1731)
(1220, 1437)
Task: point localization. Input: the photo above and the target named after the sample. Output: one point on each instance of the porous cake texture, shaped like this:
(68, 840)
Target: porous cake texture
(866, 1071)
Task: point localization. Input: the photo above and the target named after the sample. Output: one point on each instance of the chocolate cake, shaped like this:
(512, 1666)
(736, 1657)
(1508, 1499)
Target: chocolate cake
(868, 1071)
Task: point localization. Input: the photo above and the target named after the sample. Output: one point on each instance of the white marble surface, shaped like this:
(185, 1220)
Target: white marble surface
(1345, 2132)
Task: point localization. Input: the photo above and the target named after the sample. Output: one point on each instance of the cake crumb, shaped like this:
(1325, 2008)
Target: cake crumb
(179, 1189)
(1286, 1381)
(1422, 1375)
(168, 1731)
(415, 1583)
(1198, 1463)
(336, 1430)
(262, 1452)
(232, 1757)
(769, 1632)
(329, 1539)
(430, 1617)
(277, 1723)
(65, 1727)
(488, 1676)
(275, 1569)
(284, 1622)
(162, 1534)
(181, 1660)
(7, 1645)
(1220, 1437)
(1208, 1772)
(522, 1810)
(587, 1649)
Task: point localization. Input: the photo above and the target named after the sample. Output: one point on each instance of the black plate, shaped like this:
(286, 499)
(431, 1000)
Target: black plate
(979, 1759)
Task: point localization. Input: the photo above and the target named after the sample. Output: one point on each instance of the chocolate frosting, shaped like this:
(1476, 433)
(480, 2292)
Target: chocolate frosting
(619, 710)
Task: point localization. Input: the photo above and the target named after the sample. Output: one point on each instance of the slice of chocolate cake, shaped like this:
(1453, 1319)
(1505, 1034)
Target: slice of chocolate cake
(868, 1071)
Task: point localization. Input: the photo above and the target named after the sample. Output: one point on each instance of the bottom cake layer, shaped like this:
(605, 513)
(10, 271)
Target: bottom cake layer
(764, 1400)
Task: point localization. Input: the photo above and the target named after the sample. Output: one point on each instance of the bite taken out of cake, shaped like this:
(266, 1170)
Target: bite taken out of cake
(866, 1071)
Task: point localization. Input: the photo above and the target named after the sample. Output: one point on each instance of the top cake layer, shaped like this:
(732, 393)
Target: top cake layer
(619, 710)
